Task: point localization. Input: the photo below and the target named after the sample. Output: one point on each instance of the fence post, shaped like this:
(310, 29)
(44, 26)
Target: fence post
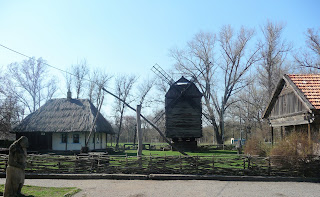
(180, 162)
(164, 163)
(212, 163)
(197, 169)
(126, 160)
(269, 166)
(244, 163)
(150, 162)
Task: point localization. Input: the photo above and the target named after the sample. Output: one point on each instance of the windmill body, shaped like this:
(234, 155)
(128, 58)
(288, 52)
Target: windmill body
(183, 113)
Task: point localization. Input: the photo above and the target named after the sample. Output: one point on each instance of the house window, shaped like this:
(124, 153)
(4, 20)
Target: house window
(75, 138)
(63, 138)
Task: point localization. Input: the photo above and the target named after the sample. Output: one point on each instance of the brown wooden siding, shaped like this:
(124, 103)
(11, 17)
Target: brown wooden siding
(287, 103)
(183, 120)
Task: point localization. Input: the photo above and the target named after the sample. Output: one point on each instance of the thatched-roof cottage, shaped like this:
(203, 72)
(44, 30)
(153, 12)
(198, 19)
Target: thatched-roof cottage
(64, 124)
(295, 105)
(183, 113)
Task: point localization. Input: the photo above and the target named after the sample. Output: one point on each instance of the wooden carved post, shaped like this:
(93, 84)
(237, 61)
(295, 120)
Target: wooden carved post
(139, 152)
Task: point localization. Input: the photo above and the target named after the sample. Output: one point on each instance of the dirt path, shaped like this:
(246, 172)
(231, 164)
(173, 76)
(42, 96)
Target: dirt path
(187, 188)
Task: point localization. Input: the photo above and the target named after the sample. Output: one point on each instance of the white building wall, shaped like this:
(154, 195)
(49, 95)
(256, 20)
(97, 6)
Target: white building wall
(100, 141)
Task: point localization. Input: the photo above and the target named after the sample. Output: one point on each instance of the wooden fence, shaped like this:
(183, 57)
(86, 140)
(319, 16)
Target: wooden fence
(214, 165)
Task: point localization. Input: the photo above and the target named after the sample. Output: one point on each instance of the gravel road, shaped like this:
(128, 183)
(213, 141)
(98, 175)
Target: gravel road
(185, 188)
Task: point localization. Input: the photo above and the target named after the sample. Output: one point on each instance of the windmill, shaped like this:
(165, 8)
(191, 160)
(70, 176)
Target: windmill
(183, 110)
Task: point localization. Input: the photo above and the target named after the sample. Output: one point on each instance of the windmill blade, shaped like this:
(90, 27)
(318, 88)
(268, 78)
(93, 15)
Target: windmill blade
(162, 74)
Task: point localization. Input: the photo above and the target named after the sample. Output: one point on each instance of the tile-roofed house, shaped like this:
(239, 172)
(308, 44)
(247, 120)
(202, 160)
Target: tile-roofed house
(309, 84)
(64, 124)
(295, 104)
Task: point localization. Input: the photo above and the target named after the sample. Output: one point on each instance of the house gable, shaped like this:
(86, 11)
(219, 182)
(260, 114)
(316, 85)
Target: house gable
(288, 105)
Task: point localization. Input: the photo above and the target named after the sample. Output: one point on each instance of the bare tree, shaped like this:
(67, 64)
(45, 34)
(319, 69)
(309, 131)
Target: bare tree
(80, 71)
(29, 82)
(235, 64)
(98, 80)
(246, 114)
(143, 89)
(101, 81)
(310, 57)
(124, 86)
(274, 51)
(198, 61)
(92, 85)
(68, 78)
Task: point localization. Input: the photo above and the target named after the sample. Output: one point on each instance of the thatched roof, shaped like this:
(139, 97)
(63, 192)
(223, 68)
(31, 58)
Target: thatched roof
(64, 115)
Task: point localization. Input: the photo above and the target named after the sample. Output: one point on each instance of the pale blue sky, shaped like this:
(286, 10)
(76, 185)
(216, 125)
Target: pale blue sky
(131, 36)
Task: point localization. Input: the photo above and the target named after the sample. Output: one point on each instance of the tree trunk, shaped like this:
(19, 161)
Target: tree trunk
(120, 126)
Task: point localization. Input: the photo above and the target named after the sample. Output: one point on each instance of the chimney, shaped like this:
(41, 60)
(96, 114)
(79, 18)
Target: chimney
(69, 95)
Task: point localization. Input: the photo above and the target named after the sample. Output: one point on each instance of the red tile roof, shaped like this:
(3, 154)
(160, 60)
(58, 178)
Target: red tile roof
(309, 84)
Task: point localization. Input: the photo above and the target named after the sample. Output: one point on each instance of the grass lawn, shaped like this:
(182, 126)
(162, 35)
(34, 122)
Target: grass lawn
(35, 191)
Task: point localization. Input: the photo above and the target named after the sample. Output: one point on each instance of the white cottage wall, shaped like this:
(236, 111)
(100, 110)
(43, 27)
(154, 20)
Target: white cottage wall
(58, 145)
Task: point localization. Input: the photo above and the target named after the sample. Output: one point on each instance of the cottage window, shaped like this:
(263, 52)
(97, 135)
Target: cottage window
(63, 138)
(75, 138)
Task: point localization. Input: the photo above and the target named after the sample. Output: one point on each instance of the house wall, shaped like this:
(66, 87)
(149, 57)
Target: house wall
(98, 144)
(287, 103)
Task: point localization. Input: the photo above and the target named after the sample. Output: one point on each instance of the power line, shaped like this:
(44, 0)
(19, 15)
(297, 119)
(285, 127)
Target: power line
(49, 65)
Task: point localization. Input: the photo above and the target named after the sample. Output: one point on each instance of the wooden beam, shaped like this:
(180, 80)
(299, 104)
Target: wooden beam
(309, 132)
(272, 136)
(149, 122)
(139, 152)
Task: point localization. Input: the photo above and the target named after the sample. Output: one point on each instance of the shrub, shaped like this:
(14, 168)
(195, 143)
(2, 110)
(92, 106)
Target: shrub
(255, 146)
(296, 144)
(294, 152)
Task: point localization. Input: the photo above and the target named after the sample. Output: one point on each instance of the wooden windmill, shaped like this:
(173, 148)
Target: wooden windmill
(183, 110)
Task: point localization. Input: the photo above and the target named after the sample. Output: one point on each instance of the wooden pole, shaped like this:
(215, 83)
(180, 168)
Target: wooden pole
(272, 135)
(149, 122)
(139, 132)
(309, 139)
(309, 132)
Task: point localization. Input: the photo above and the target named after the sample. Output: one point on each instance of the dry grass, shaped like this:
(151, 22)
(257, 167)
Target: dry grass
(296, 144)
(255, 146)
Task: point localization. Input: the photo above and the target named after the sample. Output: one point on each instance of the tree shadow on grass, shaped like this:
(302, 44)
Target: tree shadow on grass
(21, 195)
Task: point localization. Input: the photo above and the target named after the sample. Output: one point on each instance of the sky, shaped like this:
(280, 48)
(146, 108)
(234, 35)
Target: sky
(123, 37)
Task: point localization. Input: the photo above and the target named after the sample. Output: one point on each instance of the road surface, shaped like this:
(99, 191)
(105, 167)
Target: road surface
(185, 188)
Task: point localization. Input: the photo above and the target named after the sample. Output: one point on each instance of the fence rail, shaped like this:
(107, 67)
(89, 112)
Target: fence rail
(209, 165)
